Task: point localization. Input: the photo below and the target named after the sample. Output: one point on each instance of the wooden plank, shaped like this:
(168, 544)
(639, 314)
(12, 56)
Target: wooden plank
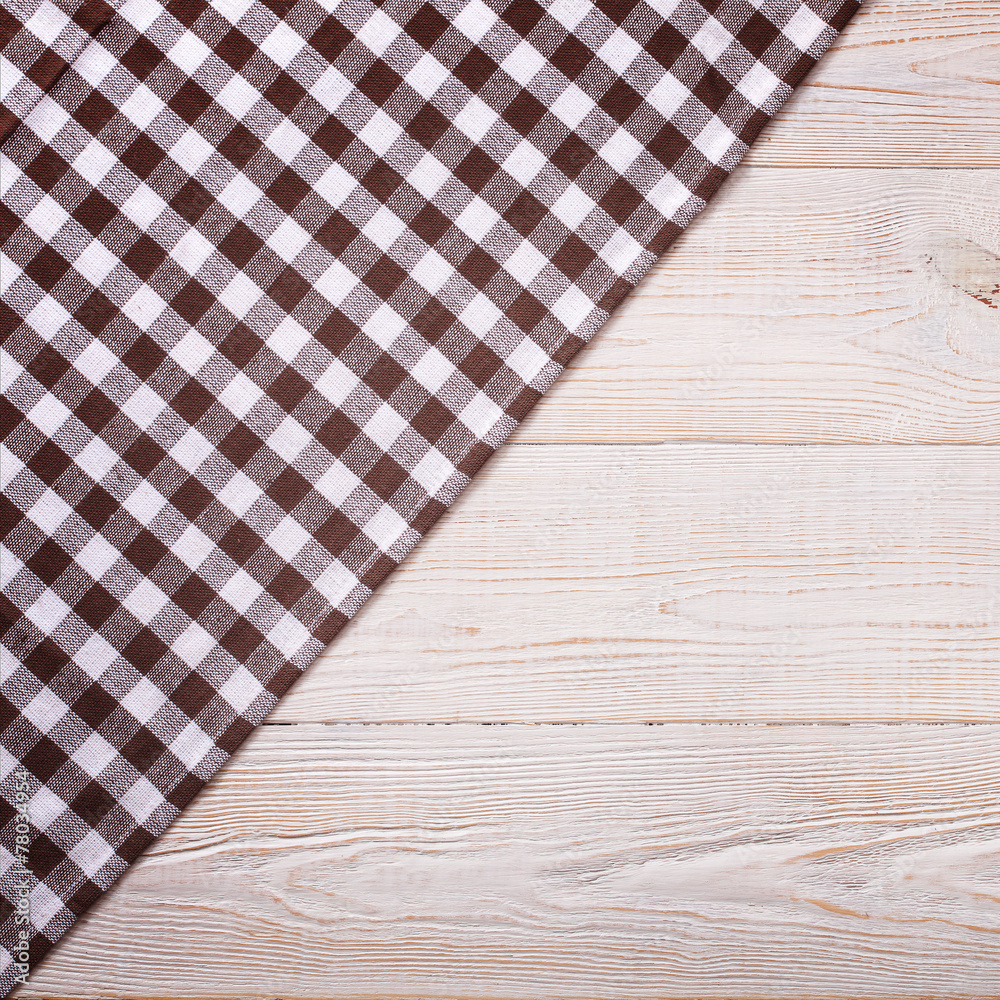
(557, 862)
(688, 582)
(908, 83)
(806, 305)
(668, 583)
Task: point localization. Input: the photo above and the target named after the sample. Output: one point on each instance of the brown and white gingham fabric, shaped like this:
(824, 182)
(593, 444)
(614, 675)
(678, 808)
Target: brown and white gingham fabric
(277, 277)
(38, 40)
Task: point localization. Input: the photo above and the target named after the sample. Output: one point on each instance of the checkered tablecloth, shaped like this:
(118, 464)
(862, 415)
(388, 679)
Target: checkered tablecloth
(277, 278)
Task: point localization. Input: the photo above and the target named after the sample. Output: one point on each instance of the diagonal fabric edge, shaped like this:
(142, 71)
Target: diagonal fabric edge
(278, 278)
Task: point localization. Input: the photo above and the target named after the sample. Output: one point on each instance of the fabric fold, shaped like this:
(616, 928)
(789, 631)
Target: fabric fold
(278, 277)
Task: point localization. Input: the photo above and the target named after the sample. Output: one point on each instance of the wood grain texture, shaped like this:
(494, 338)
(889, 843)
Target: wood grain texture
(908, 83)
(688, 582)
(543, 862)
(806, 305)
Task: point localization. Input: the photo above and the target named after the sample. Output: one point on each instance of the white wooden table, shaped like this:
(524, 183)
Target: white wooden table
(715, 712)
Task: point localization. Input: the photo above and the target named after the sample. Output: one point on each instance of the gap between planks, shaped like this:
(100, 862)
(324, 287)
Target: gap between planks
(723, 723)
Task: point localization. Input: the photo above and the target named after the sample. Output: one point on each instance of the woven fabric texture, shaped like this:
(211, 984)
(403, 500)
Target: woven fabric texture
(277, 278)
